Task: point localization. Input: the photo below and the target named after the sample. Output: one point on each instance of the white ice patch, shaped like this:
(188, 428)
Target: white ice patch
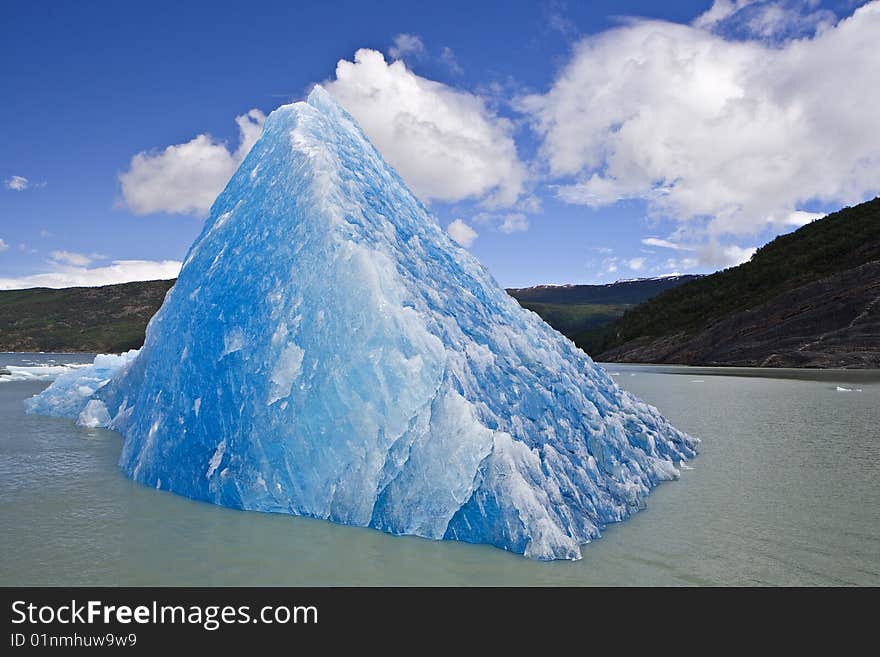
(73, 386)
(280, 333)
(286, 370)
(38, 372)
(214, 463)
(94, 415)
(232, 342)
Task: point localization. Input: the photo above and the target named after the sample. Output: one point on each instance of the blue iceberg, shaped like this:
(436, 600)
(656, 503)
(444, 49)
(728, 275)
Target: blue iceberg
(329, 351)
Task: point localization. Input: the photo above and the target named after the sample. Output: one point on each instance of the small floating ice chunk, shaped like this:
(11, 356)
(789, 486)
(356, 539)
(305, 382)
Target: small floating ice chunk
(74, 387)
(38, 372)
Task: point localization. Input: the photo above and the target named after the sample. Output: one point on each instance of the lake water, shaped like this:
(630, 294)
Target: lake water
(785, 492)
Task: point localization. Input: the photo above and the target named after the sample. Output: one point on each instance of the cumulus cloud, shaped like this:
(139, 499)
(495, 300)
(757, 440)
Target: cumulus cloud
(708, 254)
(406, 44)
(118, 271)
(801, 218)
(636, 264)
(462, 233)
(720, 11)
(71, 258)
(609, 265)
(735, 133)
(186, 178)
(770, 20)
(676, 266)
(445, 143)
(505, 222)
(721, 256)
(3, 245)
(514, 223)
(16, 183)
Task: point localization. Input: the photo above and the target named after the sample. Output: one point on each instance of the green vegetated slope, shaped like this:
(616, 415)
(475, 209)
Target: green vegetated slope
(571, 309)
(807, 298)
(111, 318)
(570, 319)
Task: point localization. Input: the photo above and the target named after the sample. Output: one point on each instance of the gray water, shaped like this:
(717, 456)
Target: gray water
(785, 492)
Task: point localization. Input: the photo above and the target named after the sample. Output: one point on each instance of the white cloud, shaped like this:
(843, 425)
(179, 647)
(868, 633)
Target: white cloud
(16, 183)
(3, 245)
(800, 218)
(445, 143)
(514, 223)
(609, 265)
(771, 20)
(720, 256)
(186, 178)
(682, 264)
(45, 233)
(636, 263)
(741, 132)
(720, 11)
(447, 56)
(507, 223)
(707, 254)
(70, 258)
(406, 44)
(665, 244)
(119, 271)
(462, 233)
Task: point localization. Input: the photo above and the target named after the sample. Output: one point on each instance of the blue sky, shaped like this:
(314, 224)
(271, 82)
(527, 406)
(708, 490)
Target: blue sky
(580, 142)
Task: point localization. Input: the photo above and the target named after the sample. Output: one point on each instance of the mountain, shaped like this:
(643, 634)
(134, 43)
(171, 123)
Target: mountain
(113, 318)
(329, 351)
(85, 319)
(810, 298)
(572, 309)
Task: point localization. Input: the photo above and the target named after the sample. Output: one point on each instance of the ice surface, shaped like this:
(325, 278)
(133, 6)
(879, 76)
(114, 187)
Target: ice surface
(36, 372)
(74, 388)
(329, 351)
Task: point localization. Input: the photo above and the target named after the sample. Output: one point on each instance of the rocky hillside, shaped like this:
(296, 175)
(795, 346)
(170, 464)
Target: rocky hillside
(113, 318)
(807, 299)
(84, 319)
(572, 309)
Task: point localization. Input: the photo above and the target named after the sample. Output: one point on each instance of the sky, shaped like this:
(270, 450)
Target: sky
(560, 143)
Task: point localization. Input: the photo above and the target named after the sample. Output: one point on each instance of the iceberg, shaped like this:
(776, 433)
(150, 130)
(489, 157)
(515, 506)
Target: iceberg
(329, 351)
